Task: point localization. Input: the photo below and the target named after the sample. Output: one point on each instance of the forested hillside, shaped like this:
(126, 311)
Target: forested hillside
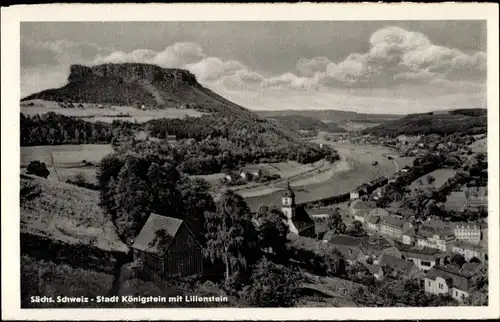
(304, 123)
(473, 121)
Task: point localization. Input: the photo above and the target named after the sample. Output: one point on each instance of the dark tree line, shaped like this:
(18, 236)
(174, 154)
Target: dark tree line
(56, 129)
(470, 122)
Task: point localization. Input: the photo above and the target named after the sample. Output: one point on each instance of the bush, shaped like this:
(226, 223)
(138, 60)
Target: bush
(38, 169)
(272, 286)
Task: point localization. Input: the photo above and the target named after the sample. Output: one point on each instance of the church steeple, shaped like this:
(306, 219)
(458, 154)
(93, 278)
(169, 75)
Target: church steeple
(288, 192)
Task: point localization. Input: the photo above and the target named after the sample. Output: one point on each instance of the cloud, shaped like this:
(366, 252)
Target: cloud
(175, 56)
(52, 53)
(308, 67)
(399, 56)
(212, 68)
(291, 81)
(242, 79)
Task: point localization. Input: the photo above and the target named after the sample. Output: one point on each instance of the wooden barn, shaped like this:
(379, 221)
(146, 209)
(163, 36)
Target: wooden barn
(168, 247)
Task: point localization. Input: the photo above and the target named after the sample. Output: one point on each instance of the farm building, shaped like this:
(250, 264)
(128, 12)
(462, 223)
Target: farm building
(167, 247)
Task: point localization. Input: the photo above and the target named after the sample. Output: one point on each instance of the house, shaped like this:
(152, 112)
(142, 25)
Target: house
(361, 207)
(445, 280)
(320, 213)
(373, 223)
(349, 247)
(167, 247)
(423, 258)
(431, 237)
(297, 219)
(469, 251)
(405, 169)
(393, 227)
(375, 270)
(361, 215)
(398, 265)
(477, 197)
(467, 232)
(408, 237)
(377, 194)
(378, 212)
(374, 246)
(354, 195)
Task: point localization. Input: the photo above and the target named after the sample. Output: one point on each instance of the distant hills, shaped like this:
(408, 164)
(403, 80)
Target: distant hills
(471, 121)
(332, 115)
(304, 123)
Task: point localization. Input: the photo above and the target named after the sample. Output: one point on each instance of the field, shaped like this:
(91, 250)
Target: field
(480, 146)
(441, 175)
(352, 126)
(289, 171)
(66, 213)
(92, 113)
(65, 161)
(359, 170)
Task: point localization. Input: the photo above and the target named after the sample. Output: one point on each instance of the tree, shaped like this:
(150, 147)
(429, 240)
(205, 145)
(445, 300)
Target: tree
(272, 286)
(458, 260)
(335, 264)
(230, 234)
(196, 201)
(356, 229)
(38, 169)
(272, 232)
(430, 179)
(335, 223)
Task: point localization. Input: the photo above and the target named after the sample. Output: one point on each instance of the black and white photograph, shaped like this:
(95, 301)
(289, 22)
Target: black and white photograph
(192, 163)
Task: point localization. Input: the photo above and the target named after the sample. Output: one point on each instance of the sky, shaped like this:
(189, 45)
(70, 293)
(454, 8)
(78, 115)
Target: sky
(395, 67)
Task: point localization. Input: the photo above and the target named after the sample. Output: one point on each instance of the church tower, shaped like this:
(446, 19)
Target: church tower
(288, 202)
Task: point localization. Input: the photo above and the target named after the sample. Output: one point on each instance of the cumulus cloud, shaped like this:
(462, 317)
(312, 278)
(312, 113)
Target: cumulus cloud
(174, 56)
(308, 67)
(397, 56)
(289, 80)
(52, 53)
(212, 68)
(242, 79)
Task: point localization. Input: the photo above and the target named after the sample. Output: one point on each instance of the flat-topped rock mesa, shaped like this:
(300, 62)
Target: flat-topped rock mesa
(136, 84)
(133, 72)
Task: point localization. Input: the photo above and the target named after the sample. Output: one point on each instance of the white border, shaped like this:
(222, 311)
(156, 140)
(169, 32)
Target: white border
(11, 18)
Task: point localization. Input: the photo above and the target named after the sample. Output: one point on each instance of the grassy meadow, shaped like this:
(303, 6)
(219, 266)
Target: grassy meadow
(66, 213)
(92, 113)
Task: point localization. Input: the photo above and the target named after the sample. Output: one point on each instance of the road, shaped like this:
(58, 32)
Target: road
(361, 170)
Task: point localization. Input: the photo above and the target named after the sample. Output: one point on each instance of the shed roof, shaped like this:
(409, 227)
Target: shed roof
(157, 234)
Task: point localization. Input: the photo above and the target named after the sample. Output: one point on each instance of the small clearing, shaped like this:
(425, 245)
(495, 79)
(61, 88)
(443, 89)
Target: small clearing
(108, 113)
(440, 176)
(66, 213)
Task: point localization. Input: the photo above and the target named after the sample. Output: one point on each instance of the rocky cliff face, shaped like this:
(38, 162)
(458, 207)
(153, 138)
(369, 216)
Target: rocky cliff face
(130, 73)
